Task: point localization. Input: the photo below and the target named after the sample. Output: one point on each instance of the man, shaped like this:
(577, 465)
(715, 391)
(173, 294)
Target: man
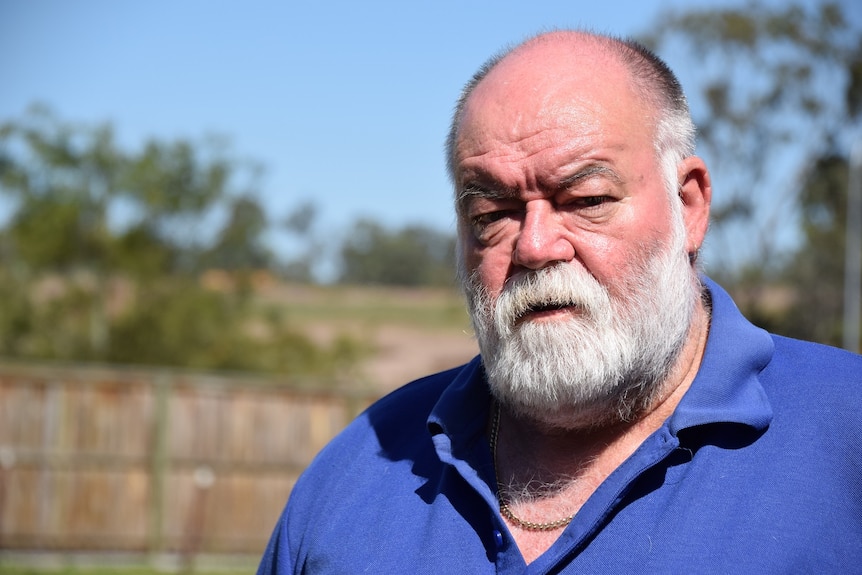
(622, 415)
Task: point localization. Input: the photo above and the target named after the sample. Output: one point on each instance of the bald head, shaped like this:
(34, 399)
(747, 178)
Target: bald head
(563, 65)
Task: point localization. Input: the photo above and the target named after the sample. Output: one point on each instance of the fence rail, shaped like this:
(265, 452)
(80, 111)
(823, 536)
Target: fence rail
(110, 459)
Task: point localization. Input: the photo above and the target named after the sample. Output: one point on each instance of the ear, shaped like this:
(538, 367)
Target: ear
(695, 191)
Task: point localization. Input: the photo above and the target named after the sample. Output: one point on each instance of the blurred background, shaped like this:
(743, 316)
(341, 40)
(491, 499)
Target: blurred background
(225, 228)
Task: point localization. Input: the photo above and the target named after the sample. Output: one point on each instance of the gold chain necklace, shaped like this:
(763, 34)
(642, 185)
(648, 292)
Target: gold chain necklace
(504, 505)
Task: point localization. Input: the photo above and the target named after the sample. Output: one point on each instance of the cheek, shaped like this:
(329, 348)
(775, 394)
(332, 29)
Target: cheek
(612, 258)
(602, 255)
(493, 275)
(491, 266)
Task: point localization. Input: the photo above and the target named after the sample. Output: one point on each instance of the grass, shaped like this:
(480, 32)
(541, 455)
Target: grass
(422, 308)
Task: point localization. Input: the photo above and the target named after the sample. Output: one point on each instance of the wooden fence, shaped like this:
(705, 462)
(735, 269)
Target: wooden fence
(153, 461)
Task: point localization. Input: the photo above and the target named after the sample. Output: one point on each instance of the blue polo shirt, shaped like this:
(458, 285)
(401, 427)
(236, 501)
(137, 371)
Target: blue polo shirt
(758, 470)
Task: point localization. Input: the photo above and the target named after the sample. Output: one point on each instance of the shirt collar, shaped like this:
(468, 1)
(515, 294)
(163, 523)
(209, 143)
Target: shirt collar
(462, 410)
(726, 388)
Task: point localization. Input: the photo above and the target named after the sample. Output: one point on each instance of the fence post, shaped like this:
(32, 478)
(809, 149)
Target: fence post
(159, 463)
(7, 462)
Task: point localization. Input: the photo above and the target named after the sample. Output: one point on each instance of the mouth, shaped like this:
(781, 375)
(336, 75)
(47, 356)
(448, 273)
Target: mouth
(548, 310)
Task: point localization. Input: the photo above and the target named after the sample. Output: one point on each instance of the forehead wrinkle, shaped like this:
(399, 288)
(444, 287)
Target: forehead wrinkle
(494, 133)
(527, 164)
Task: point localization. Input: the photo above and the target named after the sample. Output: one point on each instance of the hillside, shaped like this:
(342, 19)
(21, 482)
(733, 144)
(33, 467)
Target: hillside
(407, 332)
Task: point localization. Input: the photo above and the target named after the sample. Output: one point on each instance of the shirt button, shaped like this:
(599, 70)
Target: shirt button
(498, 539)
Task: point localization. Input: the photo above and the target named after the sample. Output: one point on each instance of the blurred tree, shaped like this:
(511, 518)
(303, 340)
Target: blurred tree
(309, 252)
(301, 220)
(102, 249)
(762, 113)
(62, 182)
(412, 256)
(240, 244)
(79, 202)
(816, 270)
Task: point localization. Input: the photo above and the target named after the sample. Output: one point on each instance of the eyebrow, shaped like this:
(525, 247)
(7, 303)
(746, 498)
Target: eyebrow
(473, 191)
(588, 172)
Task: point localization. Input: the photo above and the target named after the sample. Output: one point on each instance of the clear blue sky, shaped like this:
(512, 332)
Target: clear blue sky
(345, 103)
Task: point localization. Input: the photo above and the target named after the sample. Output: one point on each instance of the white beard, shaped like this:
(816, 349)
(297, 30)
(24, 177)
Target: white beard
(605, 364)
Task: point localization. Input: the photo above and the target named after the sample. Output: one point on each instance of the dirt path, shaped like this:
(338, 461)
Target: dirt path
(406, 354)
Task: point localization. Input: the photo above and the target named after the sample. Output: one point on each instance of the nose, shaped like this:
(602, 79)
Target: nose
(542, 239)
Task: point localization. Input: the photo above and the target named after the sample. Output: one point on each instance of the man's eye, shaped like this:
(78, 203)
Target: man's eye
(592, 201)
(483, 224)
(490, 217)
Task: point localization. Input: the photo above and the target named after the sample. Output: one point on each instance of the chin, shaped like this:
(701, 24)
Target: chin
(598, 413)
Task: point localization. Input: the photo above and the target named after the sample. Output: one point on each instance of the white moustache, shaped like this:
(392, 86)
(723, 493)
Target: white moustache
(560, 286)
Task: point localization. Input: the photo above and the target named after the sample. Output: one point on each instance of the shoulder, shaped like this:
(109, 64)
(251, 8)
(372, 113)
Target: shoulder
(351, 482)
(394, 428)
(403, 412)
(784, 366)
(810, 384)
(805, 363)
(417, 398)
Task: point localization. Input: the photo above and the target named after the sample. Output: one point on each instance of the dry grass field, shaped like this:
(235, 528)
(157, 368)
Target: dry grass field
(407, 332)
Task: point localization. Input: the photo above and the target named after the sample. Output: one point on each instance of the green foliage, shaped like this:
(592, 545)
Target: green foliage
(240, 244)
(761, 105)
(17, 316)
(171, 322)
(802, 296)
(172, 179)
(300, 224)
(411, 256)
(67, 184)
(817, 269)
(780, 89)
(81, 283)
(61, 181)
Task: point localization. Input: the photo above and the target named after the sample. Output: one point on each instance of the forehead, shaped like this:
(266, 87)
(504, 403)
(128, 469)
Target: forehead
(551, 98)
